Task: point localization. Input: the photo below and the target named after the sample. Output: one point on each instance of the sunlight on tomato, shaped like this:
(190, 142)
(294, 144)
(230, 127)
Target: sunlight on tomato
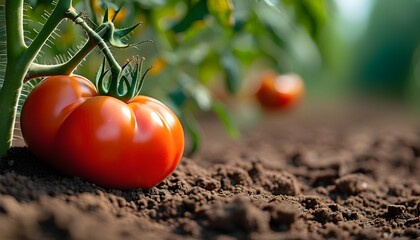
(100, 138)
(279, 92)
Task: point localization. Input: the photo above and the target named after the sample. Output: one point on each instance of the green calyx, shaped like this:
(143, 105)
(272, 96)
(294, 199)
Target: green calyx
(114, 35)
(126, 85)
(123, 82)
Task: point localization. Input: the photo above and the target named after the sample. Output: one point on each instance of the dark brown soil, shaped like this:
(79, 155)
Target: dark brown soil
(290, 178)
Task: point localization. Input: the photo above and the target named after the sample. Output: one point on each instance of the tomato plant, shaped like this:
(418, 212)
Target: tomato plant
(116, 144)
(197, 44)
(21, 65)
(107, 133)
(279, 92)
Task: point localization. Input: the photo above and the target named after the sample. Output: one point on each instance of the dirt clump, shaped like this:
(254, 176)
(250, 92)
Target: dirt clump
(301, 181)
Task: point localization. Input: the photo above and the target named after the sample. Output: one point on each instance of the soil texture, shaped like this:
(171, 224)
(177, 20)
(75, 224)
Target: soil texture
(288, 178)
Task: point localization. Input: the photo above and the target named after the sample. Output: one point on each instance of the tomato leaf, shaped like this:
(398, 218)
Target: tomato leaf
(120, 33)
(115, 37)
(231, 67)
(197, 12)
(222, 10)
(226, 120)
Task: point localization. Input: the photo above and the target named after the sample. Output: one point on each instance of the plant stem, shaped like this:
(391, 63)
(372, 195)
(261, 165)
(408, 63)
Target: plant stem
(19, 57)
(14, 29)
(115, 67)
(9, 96)
(40, 70)
(9, 93)
(52, 22)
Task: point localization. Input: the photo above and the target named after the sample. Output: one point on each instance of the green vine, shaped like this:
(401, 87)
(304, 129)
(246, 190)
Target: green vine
(21, 67)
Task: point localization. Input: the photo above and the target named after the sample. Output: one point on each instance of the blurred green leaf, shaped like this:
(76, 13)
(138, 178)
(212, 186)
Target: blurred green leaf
(149, 4)
(271, 3)
(197, 12)
(191, 125)
(227, 122)
(201, 95)
(231, 67)
(311, 14)
(198, 92)
(242, 14)
(222, 10)
(177, 96)
(209, 67)
(107, 4)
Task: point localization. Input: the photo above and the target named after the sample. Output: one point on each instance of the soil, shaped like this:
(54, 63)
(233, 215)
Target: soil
(294, 176)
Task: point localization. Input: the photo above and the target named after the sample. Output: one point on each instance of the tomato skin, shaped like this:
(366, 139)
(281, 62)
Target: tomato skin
(100, 138)
(279, 92)
(46, 108)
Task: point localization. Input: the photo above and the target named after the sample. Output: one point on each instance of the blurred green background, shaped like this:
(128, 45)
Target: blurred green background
(208, 54)
(374, 49)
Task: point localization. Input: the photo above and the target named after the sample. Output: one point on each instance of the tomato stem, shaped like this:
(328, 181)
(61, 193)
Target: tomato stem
(116, 86)
(41, 70)
(9, 93)
(115, 67)
(9, 97)
(50, 25)
(15, 38)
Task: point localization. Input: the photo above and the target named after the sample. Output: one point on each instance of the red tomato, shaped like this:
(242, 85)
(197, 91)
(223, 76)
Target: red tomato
(100, 138)
(279, 92)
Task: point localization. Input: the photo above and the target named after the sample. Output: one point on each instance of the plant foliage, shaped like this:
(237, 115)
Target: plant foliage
(197, 44)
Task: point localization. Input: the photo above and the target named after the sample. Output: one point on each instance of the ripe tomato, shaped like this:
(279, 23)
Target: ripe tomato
(279, 92)
(100, 138)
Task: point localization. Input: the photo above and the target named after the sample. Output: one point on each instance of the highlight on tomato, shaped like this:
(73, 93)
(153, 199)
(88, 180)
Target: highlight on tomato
(279, 92)
(113, 143)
